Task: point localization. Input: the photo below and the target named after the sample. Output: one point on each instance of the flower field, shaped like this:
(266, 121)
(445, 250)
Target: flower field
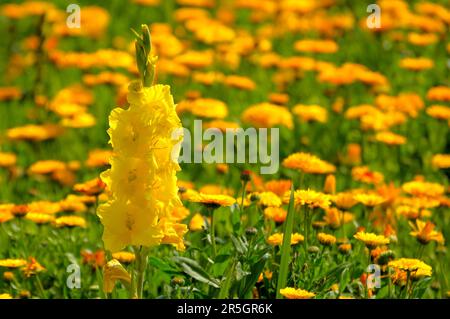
(117, 179)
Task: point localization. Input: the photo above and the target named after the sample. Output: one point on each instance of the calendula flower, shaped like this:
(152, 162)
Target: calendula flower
(292, 293)
(344, 200)
(415, 267)
(365, 175)
(421, 188)
(326, 239)
(335, 218)
(369, 199)
(316, 46)
(308, 163)
(345, 248)
(240, 82)
(439, 93)
(371, 240)
(12, 263)
(34, 133)
(277, 239)
(309, 197)
(279, 187)
(276, 214)
(70, 221)
(440, 112)
(124, 257)
(92, 187)
(330, 184)
(197, 223)
(390, 138)
(98, 158)
(5, 296)
(204, 107)
(267, 115)
(32, 267)
(94, 259)
(212, 200)
(142, 178)
(441, 161)
(424, 232)
(39, 218)
(113, 271)
(309, 113)
(267, 199)
(7, 159)
(416, 64)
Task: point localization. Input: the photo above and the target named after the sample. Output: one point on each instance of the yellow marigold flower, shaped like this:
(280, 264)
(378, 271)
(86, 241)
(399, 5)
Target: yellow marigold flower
(98, 158)
(365, 175)
(70, 221)
(267, 199)
(9, 93)
(309, 197)
(420, 188)
(308, 163)
(335, 218)
(8, 276)
(240, 82)
(39, 218)
(316, 46)
(424, 232)
(371, 240)
(32, 267)
(441, 161)
(277, 239)
(124, 257)
(112, 272)
(207, 108)
(292, 293)
(34, 133)
(7, 159)
(279, 187)
(390, 138)
(369, 199)
(213, 200)
(344, 200)
(440, 112)
(276, 214)
(197, 223)
(422, 39)
(439, 93)
(72, 205)
(267, 115)
(92, 187)
(326, 239)
(310, 113)
(330, 184)
(278, 98)
(5, 296)
(46, 167)
(416, 64)
(12, 263)
(5, 216)
(415, 267)
(213, 189)
(142, 178)
(345, 248)
(195, 59)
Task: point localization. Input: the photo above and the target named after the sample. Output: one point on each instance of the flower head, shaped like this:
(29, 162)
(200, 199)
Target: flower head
(292, 293)
(371, 240)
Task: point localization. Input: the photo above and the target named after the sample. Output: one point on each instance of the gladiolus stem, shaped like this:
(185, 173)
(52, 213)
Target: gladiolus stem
(141, 266)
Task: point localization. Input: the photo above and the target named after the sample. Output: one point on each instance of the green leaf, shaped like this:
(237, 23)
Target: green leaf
(286, 247)
(256, 269)
(193, 269)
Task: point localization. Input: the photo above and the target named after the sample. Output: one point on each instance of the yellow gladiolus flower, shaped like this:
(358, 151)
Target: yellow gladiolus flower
(142, 178)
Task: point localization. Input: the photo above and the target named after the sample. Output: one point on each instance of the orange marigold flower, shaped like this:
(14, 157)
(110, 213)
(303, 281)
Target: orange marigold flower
(308, 163)
(424, 232)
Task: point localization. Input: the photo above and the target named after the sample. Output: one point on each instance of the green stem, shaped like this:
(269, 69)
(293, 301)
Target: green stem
(213, 235)
(141, 266)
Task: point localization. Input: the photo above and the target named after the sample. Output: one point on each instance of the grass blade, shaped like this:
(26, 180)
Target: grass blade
(286, 248)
